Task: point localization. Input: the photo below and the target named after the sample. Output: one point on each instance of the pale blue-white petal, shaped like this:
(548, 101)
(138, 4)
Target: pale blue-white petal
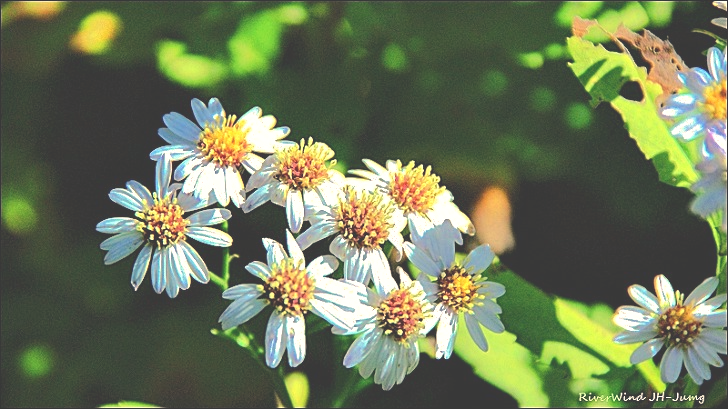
(252, 162)
(141, 265)
(665, 293)
(294, 251)
(278, 194)
(296, 328)
(644, 298)
(182, 126)
(274, 251)
(116, 225)
(209, 217)
(179, 267)
(446, 332)
(488, 319)
(361, 347)
(479, 259)
(203, 116)
(121, 239)
(715, 338)
(706, 352)
(127, 199)
(187, 166)
(697, 368)
(381, 272)
(630, 337)
(163, 175)
(123, 247)
(633, 318)
(476, 332)
(244, 291)
(338, 246)
(219, 187)
(276, 339)
(210, 236)
(198, 268)
(215, 108)
(294, 210)
(159, 270)
(646, 351)
(314, 233)
(678, 105)
(357, 266)
(671, 365)
(175, 152)
(174, 139)
(234, 186)
(322, 266)
(140, 190)
(421, 260)
(715, 319)
(259, 270)
(242, 312)
(491, 289)
(688, 128)
(702, 292)
(257, 198)
(378, 169)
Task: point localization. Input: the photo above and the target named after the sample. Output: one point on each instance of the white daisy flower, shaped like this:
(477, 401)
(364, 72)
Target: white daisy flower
(392, 320)
(163, 231)
(690, 328)
(213, 152)
(458, 288)
(293, 289)
(418, 195)
(362, 222)
(294, 176)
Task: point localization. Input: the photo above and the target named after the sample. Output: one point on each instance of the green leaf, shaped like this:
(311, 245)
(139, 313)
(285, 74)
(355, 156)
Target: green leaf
(603, 73)
(190, 70)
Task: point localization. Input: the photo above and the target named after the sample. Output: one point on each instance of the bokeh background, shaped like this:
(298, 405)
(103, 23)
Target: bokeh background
(480, 91)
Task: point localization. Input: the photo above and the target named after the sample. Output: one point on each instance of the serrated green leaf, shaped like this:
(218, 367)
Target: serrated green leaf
(603, 73)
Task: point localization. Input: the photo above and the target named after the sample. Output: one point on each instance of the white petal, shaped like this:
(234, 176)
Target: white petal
(446, 332)
(240, 312)
(479, 259)
(313, 234)
(210, 236)
(630, 337)
(121, 245)
(361, 347)
(234, 186)
(198, 268)
(275, 340)
(159, 271)
(294, 210)
(296, 328)
(245, 291)
(380, 271)
(259, 270)
(646, 351)
(488, 319)
(116, 225)
(702, 292)
(257, 198)
(665, 293)
(252, 162)
(140, 190)
(322, 266)
(141, 265)
(209, 217)
(644, 298)
(274, 251)
(127, 199)
(294, 251)
(633, 318)
(671, 365)
(202, 115)
(179, 267)
(421, 260)
(476, 332)
(182, 126)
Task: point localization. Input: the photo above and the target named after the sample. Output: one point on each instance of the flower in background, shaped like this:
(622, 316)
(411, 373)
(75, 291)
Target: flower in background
(293, 289)
(711, 188)
(391, 322)
(294, 176)
(690, 328)
(163, 231)
(213, 152)
(459, 288)
(720, 21)
(703, 106)
(362, 222)
(418, 195)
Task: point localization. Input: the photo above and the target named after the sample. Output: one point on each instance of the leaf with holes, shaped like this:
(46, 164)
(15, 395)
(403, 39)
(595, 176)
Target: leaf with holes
(603, 73)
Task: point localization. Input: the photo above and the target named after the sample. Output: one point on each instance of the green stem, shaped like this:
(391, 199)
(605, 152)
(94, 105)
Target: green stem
(225, 257)
(218, 281)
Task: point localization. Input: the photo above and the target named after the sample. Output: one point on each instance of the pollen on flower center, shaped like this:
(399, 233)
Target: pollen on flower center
(364, 221)
(401, 315)
(304, 166)
(678, 326)
(225, 141)
(289, 288)
(414, 189)
(715, 100)
(457, 289)
(162, 223)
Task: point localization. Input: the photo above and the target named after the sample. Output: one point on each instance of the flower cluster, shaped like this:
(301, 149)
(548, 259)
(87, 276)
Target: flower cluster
(700, 112)
(367, 217)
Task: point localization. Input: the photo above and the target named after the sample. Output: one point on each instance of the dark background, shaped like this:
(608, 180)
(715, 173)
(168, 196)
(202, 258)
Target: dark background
(589, 216)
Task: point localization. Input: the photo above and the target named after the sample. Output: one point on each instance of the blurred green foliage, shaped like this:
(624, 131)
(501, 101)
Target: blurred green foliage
(479, 90)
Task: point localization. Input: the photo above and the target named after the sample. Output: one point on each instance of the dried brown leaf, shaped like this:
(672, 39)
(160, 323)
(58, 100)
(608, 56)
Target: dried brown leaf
(580, 26)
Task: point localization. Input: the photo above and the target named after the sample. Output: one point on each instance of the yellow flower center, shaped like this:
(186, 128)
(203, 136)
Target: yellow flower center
(364, 221)
(289, 289)
(225, 141)
(162, 224)
(457, 289)
(304, 166)
(401, 315)
(414, 189)
(715, 100)
(678, 326)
